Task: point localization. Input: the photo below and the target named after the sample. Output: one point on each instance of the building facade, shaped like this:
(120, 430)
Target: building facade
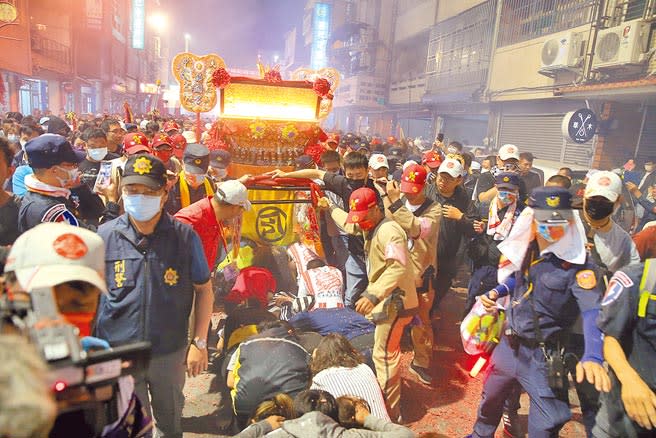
(87, 56)
(551, 58)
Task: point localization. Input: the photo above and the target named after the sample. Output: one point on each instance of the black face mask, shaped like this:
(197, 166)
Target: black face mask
(598, 209)
(356, 183)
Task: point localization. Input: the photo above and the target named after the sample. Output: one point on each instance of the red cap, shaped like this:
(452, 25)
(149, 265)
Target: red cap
(375, 140)
(333, 138)
(432, 159)
(360, 202)
(135, 142)
(179, 144)
(170, 126)
(391, 139)
(413, 179)
(159, 139)
(253, 282)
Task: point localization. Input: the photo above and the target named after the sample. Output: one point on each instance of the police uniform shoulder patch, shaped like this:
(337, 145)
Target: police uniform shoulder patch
(616, 286)
(59, 213)
(586, 279)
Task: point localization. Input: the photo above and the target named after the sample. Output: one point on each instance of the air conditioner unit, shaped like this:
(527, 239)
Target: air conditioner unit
(562, 52)
(622, 45)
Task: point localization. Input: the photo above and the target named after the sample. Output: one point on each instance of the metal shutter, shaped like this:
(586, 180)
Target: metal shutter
(541, 134)
(580, 154)
(647, 146)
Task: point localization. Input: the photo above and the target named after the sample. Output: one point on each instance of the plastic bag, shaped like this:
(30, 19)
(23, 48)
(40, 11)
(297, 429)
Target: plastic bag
(481, 330)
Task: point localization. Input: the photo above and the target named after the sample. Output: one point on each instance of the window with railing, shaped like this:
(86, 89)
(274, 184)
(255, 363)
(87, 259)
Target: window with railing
(459, 49)
(628, 10)
(523, 20)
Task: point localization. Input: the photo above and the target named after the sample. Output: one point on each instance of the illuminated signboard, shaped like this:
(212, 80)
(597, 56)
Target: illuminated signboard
(269, 102)
(320, 36)
(138, 23)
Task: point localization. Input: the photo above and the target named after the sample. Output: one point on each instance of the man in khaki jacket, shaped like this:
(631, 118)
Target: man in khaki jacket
(420, 218)
(390, 299)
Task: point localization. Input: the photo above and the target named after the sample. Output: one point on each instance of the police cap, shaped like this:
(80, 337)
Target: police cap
(49, 150)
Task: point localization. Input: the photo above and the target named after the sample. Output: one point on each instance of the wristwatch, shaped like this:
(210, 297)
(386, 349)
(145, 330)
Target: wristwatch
(201, 344)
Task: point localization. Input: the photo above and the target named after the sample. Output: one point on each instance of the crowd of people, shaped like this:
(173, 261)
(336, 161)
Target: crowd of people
(136, 226)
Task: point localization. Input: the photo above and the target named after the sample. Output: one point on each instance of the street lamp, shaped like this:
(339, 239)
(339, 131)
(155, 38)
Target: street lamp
(158, 21)
(187, 37)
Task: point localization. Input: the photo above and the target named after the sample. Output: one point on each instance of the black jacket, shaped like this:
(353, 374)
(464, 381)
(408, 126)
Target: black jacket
(451, 230)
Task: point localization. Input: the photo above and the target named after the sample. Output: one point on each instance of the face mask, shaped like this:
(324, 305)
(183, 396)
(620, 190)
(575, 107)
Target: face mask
(23, 143)
(598, 209)
(97, 154)
(142, 207)
(355, 183)
(452, 150)
(649, 168)
(164, 155)
(81, 320)
(71, 180)
(507, 198)
(195, 179)
(13, 138)
(552, 232)
(220, 173)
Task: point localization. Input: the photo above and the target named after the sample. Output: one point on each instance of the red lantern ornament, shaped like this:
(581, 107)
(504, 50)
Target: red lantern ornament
(220, 78)
(321, 86)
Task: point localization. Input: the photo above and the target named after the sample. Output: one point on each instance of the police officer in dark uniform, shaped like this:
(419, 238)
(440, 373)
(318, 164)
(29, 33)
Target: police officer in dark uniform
(554, 283)
(193, 183)
(48, 197)
(628, 321)
(155, 266)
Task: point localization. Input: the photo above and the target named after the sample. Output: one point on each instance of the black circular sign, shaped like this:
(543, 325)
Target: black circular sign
(580, 125)
(271, 224)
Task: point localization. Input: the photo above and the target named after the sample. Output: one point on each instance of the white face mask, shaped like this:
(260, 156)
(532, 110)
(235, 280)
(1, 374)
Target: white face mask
(13, 138)
(220, 174)
(142, 207)
(195, 179)
(71, 180)
(97, 154)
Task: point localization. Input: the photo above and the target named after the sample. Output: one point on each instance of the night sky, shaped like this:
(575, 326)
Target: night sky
(234, 29)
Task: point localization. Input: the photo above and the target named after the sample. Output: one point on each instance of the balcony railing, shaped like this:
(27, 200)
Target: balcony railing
(53, 55)
(523, 20)
(459, 50)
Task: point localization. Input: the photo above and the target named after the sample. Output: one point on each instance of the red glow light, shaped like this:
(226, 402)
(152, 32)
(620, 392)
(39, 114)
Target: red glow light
(60, 386)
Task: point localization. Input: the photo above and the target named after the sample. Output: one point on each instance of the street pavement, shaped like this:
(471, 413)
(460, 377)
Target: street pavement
(447, 408)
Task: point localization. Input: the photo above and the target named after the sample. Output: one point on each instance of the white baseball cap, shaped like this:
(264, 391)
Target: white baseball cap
(53, 253)
(604, 183)
(508, 151)
(378, 161)
(451, 166)
(233, 192)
